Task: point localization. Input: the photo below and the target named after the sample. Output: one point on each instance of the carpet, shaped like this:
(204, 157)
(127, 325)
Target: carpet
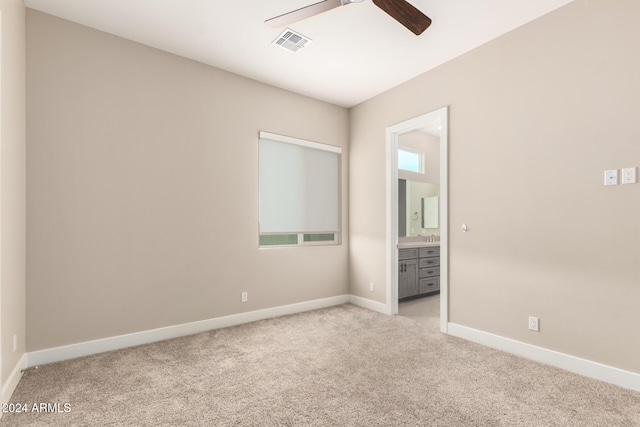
(340, 366)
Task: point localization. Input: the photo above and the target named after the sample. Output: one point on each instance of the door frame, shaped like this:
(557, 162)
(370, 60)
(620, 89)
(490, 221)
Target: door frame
(440, 116)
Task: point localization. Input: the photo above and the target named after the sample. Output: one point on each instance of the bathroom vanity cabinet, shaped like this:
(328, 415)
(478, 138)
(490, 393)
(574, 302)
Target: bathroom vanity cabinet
(418, 271)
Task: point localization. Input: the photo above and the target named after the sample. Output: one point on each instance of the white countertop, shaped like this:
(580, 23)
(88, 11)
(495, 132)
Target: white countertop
(416, 244)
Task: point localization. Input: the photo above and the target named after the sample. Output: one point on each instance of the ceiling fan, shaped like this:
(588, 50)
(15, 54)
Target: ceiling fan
(400, 10)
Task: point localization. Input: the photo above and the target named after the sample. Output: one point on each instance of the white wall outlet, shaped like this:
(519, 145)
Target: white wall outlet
(629, 175)
(611, 177)
(244, 297)
(15, 342)
(371, 287)
(534, 324)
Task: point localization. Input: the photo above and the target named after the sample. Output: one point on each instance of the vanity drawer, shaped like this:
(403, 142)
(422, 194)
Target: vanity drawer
(429, 262)
(430, 284)
(408, 253)
(430, 251)
(429, 272)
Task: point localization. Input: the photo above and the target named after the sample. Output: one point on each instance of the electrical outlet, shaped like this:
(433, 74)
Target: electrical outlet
(534, 324)
(371, 287)
(629, 175)
(245, 297)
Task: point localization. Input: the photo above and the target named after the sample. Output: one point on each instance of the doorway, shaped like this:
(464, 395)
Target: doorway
(435, 120)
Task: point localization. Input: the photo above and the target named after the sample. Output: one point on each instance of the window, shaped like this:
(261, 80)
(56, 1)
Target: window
(410, 160)
(299, 191)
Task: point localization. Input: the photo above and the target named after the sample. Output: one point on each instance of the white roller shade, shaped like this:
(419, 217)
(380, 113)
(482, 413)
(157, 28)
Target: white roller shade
(299, 185)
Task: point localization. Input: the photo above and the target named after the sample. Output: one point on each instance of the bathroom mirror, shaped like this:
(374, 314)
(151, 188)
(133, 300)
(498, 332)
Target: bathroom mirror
(411, 219)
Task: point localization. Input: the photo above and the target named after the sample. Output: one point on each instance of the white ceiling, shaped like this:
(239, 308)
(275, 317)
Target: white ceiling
(358, 51)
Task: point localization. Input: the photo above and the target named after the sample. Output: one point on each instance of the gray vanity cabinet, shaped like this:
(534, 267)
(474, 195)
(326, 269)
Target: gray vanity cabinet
(408, 273)
(418, 271)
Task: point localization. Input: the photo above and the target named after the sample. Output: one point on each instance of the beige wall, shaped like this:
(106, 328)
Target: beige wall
(142, 189)
(12, 185)
(536, 116)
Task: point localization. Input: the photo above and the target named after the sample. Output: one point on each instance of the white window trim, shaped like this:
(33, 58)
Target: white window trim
(302, 142)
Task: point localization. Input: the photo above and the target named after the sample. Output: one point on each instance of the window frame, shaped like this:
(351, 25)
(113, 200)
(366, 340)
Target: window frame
(300, 240)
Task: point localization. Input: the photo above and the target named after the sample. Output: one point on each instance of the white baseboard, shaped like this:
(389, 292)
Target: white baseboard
(579, 366)
(87, 348)
(369, 304)
(573, 364)
(12, 382)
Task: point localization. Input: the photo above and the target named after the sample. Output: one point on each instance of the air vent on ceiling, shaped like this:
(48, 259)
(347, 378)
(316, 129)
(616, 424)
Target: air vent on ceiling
(291, 40)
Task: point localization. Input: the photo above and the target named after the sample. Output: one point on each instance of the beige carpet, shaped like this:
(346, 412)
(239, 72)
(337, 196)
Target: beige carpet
(342, 366)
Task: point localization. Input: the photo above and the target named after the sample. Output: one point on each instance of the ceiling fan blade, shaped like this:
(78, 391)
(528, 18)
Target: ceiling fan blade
(303, 13)
(406, 14)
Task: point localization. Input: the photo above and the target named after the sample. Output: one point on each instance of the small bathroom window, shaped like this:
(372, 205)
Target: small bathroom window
(410, 160)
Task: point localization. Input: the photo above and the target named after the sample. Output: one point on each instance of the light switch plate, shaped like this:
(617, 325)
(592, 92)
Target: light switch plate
(611, 177)
(629, 175)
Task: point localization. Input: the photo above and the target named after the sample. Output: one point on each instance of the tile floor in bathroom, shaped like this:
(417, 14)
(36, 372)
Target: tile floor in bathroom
(424, 309)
